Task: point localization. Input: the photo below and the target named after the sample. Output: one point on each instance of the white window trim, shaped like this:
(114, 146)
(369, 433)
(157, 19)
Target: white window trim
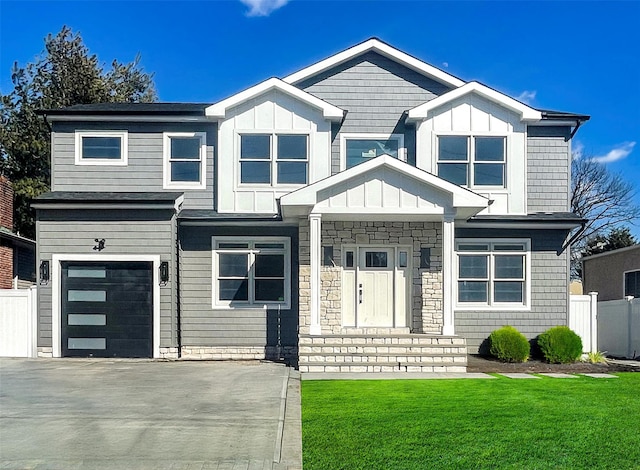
(273, 158)
(166, 152)
(402, 151)
(624, 280)
(501, 306)
(123, 135)
(217, 304)
(471, 153)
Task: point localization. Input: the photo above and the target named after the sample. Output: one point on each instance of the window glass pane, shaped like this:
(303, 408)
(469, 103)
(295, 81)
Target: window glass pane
(508, 291)
(233, 289)
(270, 290)
(509, 267)
(255, 172)
(87, 319)
(473, 267)
(360, 150)
(455, 173)
(488, 174)
(185, 171)
(452, 148)
(376, 259)
(185, 148)
(292, 172)
(86, 296)
(292, 147)
(87, 343)
(101, 147)
(233, 245)
(86, 271)
(632, 284)
(489, 149)
(508, 247)
(255, 146)
(472, 247)
(269, 265)
(472, 291)
(270, 245)
(402, 259)
(232, 265)
(349, 259)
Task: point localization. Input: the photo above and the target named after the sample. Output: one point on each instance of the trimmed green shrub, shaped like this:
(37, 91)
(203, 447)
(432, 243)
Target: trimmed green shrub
(560, 345)
(509, 345)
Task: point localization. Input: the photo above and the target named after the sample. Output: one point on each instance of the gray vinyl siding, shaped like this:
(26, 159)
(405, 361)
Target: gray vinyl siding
(201, 324)
(376, 92)
(548, 169)
(549, 290)
(126, 233)
(144, 171)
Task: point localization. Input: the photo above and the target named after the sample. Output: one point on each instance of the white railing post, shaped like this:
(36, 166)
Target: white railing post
(593, 321)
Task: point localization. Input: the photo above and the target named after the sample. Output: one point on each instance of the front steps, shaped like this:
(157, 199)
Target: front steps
(382, 352)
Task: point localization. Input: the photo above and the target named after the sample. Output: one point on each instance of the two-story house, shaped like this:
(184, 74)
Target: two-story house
(370, 212)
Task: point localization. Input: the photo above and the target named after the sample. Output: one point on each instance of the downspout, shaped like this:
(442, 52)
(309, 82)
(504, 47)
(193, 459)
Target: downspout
(575, 129)
(583, 226)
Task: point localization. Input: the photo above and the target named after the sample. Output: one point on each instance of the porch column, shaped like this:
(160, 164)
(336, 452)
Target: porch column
(315, 240)
(448, 269)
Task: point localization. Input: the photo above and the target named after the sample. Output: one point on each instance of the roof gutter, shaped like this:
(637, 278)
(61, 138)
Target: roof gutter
(583, 226)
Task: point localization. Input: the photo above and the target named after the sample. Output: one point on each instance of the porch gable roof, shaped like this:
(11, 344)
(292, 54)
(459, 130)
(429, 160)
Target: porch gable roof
(384, 186)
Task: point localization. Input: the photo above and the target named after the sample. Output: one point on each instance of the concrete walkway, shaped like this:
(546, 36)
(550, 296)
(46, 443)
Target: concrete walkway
(138, 415)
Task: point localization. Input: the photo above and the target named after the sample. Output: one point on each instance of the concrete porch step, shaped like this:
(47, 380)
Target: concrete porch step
(381, 367)
(381, 339)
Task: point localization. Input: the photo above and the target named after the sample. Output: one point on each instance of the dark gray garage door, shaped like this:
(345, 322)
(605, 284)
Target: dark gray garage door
(107, 309)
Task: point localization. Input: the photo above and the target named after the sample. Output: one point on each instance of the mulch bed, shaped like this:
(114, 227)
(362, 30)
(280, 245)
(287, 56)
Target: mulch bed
(476, 363)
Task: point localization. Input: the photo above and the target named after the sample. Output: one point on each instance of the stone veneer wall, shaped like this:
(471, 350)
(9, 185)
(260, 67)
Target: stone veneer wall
(426, 315)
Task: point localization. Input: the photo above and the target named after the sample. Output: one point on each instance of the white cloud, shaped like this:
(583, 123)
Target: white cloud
(618, 153)
(445, 65)
(577, 150)
(263, 7)
(527, 96)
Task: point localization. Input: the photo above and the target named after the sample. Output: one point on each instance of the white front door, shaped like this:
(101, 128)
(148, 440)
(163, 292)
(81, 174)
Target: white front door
(375, 305)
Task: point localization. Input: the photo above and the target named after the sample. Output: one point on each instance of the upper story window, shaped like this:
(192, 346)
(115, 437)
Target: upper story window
(493, 273)
(185, 156)
(101, 147)
(632, 284)
(274, 159)
(358, 148)
(472, 161)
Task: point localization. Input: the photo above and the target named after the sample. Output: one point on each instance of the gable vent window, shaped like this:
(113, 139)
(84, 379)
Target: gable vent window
(185, 160)
(274, 159)
(472, 161)
(101, 147)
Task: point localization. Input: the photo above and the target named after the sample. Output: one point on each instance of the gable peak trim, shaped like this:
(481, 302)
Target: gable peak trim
(219, 110)
(382, 48)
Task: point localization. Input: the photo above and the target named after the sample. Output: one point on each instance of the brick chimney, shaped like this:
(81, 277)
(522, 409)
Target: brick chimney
(6, 221)
(6, 203)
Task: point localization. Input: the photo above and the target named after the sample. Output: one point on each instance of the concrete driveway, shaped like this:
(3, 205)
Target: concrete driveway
(135, 414)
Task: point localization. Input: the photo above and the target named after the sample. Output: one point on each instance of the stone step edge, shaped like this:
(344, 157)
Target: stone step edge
(386, 364)
(382, 345)
(409, 368)
(381, 354)
(384, 335)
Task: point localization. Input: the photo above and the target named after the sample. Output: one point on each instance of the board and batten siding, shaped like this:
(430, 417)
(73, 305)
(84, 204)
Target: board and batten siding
(144, 170)
(273, 112)
(201, 324)
(66, 232)
(549, 290)
(548, 169)
(375, 91)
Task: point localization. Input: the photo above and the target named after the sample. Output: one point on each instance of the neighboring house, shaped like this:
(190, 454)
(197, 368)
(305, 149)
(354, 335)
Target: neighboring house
(613, 274)
(17, 253)
(368, 212)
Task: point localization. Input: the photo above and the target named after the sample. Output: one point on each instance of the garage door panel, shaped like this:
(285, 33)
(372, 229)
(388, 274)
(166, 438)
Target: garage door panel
(107, 309)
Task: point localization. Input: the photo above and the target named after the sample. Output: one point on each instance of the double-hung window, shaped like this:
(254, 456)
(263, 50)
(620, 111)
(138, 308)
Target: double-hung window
(101, 147)
(473, 161)
(185, 156)
(632, 284)
(274, 159)
(359, 148)
(493, 273)
(251, 273)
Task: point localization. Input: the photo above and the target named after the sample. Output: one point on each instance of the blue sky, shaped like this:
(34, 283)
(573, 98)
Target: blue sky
(576, 56)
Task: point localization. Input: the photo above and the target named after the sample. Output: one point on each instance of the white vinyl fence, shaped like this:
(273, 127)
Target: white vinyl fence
(18, 322)
(583, 320)
(619, 328)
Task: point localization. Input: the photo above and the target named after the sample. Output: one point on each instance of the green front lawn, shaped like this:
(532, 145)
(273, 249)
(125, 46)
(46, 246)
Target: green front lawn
(472, 423)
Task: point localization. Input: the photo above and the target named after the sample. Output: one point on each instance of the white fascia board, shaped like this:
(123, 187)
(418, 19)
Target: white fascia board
(124, 118)
(461, 196)
(219, 110)
(383, 49)
(527, 114)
